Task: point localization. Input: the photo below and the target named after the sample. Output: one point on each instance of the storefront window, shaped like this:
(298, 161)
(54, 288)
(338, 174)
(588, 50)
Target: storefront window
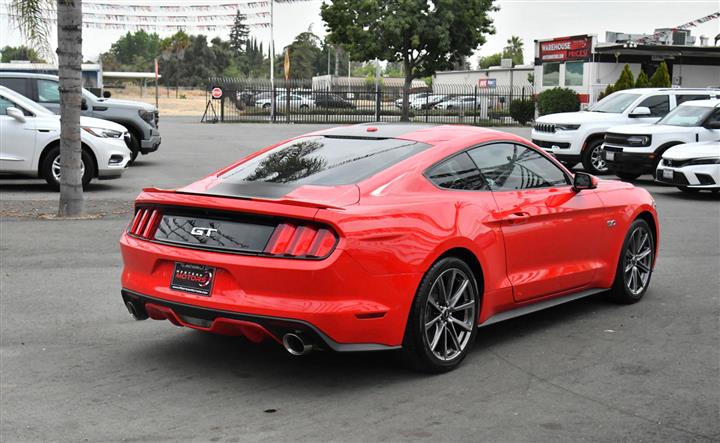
(574, 73)
(551, 74)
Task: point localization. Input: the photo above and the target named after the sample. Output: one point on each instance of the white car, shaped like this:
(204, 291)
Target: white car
(463, 102)
(574, 137)
(691, 167)
(634, 150)
(297, 101)
(411, 98)
(30, 142)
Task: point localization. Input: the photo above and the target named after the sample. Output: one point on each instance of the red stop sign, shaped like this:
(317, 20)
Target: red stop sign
(216, 93)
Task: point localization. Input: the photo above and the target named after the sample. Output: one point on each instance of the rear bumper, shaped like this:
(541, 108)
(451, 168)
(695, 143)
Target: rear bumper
(348, 307)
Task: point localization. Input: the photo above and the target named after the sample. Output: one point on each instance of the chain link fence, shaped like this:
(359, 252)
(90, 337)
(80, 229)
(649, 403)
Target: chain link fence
(246, 100)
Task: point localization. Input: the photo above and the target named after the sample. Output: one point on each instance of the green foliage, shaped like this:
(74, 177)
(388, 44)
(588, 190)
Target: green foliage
(522, 110)
(514, 51)
(10, 53)
(426, 36)
(490, 60)
(552, 101)
(642, 80)
(608, 90)
(132, 52)
(661, 77)
(531, 78)
(239, 33)
(306, 57)
(625, 81)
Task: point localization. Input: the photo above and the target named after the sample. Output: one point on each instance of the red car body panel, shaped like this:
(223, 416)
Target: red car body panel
(529, 245)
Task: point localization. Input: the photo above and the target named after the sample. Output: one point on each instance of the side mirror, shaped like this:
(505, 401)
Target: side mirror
(584, 181)
(83, 105)
(107, 94)
(16, 114)
(640, 111)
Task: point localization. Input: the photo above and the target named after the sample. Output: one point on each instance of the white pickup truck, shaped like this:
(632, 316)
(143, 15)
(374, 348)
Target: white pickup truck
(574, 137)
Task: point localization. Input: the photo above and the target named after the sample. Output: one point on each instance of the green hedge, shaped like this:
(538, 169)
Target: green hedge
(522, 111)
(557, 100)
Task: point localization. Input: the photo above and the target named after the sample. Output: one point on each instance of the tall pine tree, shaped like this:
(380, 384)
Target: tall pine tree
(239, 33)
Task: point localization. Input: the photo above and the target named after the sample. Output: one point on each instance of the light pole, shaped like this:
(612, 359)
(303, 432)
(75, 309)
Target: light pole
(272, 61)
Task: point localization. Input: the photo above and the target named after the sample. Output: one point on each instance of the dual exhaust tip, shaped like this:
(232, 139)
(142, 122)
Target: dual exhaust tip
(295, 344)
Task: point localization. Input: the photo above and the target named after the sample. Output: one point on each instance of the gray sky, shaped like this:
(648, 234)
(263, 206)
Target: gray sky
(529, 19)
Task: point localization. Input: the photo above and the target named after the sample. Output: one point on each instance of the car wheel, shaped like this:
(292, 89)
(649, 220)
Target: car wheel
(266, 106)
(634, 268)
(443, 318)
(50, 168)
(688, 190)
(134, 148)
(592, 159)
(628, 176)
(303, 107)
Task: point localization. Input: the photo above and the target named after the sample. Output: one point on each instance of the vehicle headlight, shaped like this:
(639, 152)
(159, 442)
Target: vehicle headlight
(705, 161)
(103, 133)
(639, 140)
(562, 127)
(148, 116)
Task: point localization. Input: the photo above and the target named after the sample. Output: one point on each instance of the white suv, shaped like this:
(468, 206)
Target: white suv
(633, 150)
(574, 137)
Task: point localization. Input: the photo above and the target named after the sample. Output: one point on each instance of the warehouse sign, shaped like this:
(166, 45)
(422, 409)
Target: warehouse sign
(566, 49)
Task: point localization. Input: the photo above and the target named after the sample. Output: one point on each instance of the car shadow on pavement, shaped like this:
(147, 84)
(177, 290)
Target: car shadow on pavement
(229, 360)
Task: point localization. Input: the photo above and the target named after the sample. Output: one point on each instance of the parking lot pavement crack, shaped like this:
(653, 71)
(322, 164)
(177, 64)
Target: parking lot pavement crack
(597, 401)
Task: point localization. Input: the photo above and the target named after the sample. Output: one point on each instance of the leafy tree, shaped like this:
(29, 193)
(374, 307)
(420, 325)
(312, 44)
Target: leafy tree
(425, 36)
(30, 16)
(132, 52)
(661, 77)
(608, 90)
(239, 33)
(305, 56)
(10, 53)
(514, 50)
(490, 60)
(642, 80)
(552, 101)
(625, 81)
(522, 110)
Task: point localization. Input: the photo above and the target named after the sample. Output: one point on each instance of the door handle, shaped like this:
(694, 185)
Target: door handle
(517, 217)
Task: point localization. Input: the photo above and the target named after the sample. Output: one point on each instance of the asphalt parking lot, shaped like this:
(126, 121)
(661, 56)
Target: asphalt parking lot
(75, 367)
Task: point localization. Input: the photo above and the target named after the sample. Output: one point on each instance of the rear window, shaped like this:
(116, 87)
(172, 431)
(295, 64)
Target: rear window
(323, 160)
(18, 85)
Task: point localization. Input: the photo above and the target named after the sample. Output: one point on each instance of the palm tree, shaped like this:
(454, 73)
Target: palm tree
(514, 49)
(31, 17)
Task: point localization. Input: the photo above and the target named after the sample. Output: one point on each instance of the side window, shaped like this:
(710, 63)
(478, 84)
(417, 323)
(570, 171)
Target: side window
(458, 172)
(48, 91)
(682, 98)
(659, 105)
(4, 104)
(510, 167)
(18, 85)
(714, 117)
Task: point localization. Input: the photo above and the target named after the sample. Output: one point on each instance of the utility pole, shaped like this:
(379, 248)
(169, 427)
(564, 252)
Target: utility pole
(272, 61)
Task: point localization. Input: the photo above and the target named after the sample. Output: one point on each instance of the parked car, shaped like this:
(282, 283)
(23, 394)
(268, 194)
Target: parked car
(633, 150)
(691, 167)
(429, 101)
(297, 102)
(140, 119)
(460, 103)
(412, 98)
(30, 142)
(385, 237)
(574, 137)
(324, 100)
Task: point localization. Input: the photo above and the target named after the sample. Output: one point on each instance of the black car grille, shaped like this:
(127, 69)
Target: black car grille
(547, 145)
(705, 179)
(678, 178)
(616, 139)
(545, 127)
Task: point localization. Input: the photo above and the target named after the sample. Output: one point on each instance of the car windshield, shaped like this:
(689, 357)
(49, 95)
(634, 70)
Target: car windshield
(324, 160)
(686, 116)
(25, 102)
(614, 103)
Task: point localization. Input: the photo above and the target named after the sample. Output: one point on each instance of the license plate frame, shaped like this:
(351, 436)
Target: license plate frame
(610, 156)
(193, 278)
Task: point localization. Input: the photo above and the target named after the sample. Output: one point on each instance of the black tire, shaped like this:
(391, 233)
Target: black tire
(417, 348)
(134, 148)
(622, 290)
(628, 176)
(54, 153)
(688, 190)
(266, 106)
(591, 162)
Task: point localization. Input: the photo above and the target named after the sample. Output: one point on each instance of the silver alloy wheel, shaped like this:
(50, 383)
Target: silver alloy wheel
(56, 168)
(638, 260)
(597, 160)
(449, 314)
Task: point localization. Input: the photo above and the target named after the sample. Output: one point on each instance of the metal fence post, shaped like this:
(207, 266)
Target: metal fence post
(475, 105)
(222, 109)
(378, 100)
(327, 101)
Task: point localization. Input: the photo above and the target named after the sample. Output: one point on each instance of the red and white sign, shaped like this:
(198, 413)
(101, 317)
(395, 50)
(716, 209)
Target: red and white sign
(566, 49)
(216, 93)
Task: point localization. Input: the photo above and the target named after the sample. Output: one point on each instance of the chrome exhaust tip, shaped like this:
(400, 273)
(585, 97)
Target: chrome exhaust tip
(295, 344)
(136, 312)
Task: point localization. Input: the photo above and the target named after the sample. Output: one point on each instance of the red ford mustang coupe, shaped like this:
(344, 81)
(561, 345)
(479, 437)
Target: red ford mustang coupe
(380, 237)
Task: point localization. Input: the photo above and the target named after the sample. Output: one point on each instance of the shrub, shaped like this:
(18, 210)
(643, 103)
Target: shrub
(661, 77)
(522, 111)
(609, 90)
(642, 80)
(626, 80)
(557, 100)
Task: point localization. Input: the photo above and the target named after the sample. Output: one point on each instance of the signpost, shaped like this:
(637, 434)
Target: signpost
(216, 93)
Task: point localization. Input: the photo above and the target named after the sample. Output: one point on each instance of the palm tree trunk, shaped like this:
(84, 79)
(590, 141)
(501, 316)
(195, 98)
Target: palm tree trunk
(69, 13)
